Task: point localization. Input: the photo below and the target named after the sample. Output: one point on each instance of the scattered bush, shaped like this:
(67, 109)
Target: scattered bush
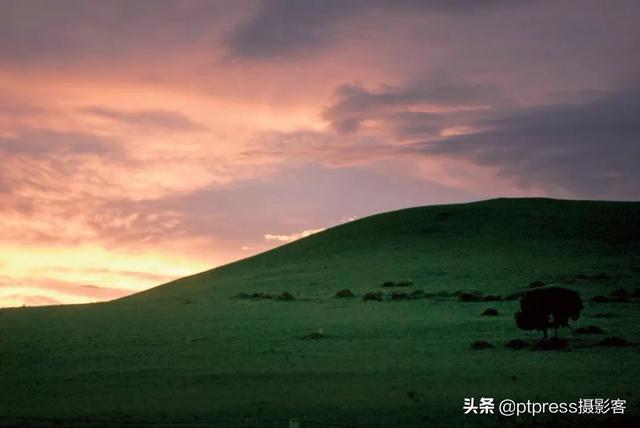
(403, 283)
(536, 284)
(492, 298)
(550, 344)
(259, 295)
(544, 308)
(345, 293)
(316, 335)
(418, 294)
(399, 295)
(516, 344)
(490, 312)
(286, 297)
(473, 296)
(373, 295)
(613, 341)
(481, 344)
(590, 329)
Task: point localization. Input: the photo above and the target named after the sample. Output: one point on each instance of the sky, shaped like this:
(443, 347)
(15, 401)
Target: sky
(144, 141)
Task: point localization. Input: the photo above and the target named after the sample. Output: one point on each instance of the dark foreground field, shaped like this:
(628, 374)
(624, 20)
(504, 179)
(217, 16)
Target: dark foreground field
(207, 351)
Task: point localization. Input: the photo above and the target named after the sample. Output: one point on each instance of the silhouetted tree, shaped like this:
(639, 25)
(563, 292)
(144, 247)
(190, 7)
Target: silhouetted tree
(544, 308)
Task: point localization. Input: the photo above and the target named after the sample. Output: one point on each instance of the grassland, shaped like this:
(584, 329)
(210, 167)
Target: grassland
(192, 352)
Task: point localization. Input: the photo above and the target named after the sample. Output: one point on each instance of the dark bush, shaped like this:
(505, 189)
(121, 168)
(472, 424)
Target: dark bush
(544, 308)
(550, 344)
(516, 344)
(373, 295)
(536, 284)
(516, 295)
(345, 293)
(286, 297)
(316, 335)
(473, 296)
(590, 329)
(490, 312)
(613, 341)
(492, 298)
(260, 295)
(403, 283)
(636, 293)
(399, 295)
(481, 344)
(418, 294)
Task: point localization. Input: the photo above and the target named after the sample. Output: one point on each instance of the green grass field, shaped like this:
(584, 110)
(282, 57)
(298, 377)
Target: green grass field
(191, 353)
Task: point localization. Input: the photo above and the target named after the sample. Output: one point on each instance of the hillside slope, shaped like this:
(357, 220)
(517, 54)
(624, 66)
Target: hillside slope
(492, 245)
(201, 350)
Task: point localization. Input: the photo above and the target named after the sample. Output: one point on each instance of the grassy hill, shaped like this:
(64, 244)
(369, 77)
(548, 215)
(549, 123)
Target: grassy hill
(201, 349)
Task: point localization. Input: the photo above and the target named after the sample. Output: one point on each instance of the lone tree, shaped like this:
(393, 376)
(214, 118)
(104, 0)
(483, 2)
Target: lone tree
(548, 307)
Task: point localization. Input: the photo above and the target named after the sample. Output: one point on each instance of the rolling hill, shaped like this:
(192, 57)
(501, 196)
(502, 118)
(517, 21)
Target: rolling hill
(262, 340)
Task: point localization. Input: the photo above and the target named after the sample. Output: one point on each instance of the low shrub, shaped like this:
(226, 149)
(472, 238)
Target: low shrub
(373, 295)
(316, 335)
(418, 294)
(470, 297)
(481, 344)
(490, 312)
(286, 297)
(399, 295)
(403, 283)
(516, 344)
(345, 293)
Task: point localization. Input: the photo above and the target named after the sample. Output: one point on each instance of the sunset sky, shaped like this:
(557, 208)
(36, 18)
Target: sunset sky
(141, 141)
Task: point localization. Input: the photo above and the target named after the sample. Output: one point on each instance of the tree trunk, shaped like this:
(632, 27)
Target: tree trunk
(544, 331)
